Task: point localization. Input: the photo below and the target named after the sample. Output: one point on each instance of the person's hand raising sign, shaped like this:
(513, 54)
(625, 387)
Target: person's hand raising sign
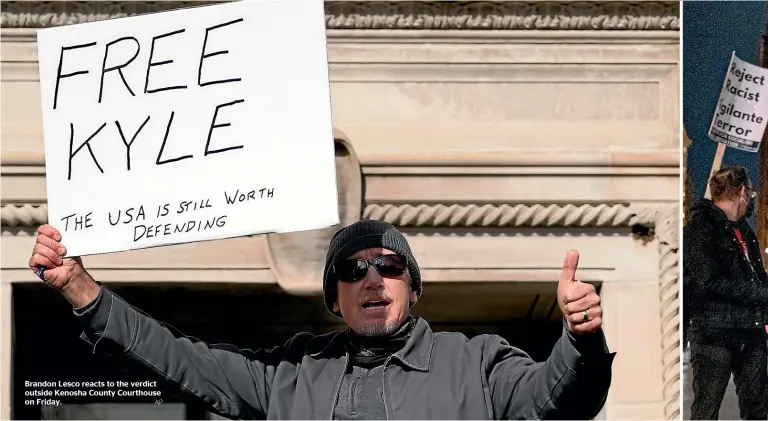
(578, 301)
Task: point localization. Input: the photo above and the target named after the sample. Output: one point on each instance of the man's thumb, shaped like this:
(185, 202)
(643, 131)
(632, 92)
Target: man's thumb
(570, 265)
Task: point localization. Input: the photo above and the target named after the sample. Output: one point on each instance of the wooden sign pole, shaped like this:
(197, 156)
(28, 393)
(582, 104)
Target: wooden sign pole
(716, 164)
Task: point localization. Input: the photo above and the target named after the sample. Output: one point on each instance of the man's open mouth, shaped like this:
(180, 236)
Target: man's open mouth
(375, 304)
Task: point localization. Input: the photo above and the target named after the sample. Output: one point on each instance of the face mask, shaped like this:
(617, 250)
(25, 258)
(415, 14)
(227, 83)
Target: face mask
(750, 209)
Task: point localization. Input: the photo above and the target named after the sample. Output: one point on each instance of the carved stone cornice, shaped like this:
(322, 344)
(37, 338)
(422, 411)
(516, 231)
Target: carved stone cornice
(532, 215)
(25, 215)
(423, 15)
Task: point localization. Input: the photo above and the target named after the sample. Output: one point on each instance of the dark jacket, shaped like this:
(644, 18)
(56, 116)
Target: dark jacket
(435, 375)
(722, 288)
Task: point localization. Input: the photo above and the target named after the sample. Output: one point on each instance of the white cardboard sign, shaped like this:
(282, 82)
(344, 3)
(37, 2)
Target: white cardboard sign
(197, 124)
(742, 109)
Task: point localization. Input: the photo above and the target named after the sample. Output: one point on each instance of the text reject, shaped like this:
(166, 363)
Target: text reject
(742, 108)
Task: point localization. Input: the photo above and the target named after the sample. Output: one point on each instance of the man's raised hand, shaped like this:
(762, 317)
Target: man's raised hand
(48, 260)
(578, 301)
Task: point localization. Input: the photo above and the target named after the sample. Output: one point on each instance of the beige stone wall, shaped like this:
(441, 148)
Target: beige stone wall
(498, 135)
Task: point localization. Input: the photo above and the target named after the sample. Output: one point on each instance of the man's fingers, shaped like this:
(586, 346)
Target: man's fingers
(48, 253)
(49, 231)
(52, 244)
(574, 293)
(593, 313)
(570, 265)
(584, 303)
(591, 326)
(38, 260)
(577, 290)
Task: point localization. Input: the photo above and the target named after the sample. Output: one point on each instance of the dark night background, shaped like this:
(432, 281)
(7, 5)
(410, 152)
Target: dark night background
(711, 31)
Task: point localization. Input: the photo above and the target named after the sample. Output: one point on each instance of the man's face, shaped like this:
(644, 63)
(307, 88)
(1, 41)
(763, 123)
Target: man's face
(377, 304)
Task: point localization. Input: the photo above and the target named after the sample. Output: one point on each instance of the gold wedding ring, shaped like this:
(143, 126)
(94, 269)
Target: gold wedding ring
(586, 316)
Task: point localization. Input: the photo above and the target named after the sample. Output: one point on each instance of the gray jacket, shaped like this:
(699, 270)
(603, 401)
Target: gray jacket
(437, 375)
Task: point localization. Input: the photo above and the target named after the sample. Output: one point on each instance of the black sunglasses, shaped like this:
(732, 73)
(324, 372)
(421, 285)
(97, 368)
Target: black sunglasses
(751, 193)
(353, 270)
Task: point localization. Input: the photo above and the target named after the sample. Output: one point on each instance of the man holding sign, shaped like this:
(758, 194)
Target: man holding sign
(386, 365)
(726, 291)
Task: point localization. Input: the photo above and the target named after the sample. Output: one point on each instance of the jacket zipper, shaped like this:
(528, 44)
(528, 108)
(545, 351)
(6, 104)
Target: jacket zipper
(749, 261)
(384, 389)
(335, 399)
(745, 254)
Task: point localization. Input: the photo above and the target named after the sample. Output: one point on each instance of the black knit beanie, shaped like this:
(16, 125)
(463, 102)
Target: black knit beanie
(361, 235)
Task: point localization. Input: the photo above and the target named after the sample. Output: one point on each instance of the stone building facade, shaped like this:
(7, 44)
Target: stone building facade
(497, 135)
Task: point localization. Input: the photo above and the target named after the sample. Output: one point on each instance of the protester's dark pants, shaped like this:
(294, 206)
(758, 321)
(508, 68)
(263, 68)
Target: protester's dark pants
(718, 353)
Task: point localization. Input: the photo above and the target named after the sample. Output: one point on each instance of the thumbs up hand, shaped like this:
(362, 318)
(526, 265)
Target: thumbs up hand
(578, 301)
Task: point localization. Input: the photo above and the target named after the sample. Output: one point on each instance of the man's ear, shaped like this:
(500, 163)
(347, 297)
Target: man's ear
(413, 297)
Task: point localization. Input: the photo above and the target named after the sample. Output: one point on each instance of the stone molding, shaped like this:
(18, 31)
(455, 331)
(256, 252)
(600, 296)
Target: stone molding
(25, 215)
(297, 259)
(666, 222)
(535, 215)
(438, 215)
(418, 15)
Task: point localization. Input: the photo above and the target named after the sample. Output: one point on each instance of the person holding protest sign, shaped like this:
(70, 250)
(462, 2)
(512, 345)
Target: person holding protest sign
(386, 365)
(726, 291)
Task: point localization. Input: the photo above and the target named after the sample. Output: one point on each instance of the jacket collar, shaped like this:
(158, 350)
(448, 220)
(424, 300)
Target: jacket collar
(415, 354)
(418, 349)
(322, 347)
(707, 209)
